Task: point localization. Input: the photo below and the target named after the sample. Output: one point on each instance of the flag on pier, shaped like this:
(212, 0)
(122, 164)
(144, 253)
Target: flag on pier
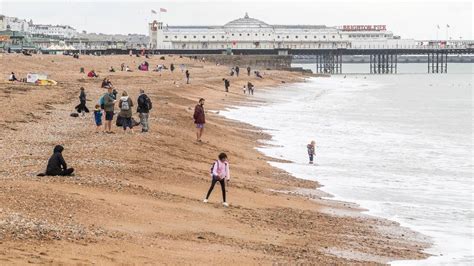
(153, 11)
(163, 9)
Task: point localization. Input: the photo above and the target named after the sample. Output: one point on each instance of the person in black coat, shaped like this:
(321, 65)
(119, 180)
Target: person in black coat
(57, 165)
(82, 108)
(144, 106)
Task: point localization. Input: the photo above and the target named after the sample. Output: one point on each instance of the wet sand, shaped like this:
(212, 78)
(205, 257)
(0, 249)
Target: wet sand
(137, 198)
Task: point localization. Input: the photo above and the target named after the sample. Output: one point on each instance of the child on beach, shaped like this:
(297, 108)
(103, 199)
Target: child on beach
(311, 151)
(244, 89)
(98, 118)
(220, 173)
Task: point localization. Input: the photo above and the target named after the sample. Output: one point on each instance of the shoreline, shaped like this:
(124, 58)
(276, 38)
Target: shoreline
(335, 205)
(116, 204)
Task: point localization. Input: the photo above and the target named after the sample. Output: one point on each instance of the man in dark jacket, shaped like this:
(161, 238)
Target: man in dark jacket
(199, 119)
(226, 84)
(57, 165)
(143, 108)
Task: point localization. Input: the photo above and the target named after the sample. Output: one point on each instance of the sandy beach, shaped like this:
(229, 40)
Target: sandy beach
(137, 198)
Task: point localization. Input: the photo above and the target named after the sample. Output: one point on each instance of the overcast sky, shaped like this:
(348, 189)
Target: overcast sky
(410, 19)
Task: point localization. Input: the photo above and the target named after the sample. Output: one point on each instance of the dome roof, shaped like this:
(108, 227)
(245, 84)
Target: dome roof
(246, 22)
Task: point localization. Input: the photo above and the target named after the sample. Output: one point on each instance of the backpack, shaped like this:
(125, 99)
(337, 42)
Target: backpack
(125, 106)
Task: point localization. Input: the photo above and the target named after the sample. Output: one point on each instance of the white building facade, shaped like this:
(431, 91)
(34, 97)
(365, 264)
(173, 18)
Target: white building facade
(252, 34)
(62, 31)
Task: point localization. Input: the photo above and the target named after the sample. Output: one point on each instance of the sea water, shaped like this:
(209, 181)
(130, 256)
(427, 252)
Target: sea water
(398, 145)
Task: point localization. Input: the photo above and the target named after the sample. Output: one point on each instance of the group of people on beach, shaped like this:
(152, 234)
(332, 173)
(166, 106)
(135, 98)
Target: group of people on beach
(105, 110)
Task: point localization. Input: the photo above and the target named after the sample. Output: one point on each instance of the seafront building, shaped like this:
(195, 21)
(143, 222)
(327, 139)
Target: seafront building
(250, 33)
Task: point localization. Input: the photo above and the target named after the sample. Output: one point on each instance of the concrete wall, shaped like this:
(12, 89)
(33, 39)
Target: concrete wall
(260, 61)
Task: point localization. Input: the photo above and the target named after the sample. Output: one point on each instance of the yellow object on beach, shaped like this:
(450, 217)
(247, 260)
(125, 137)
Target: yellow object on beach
(46, 82)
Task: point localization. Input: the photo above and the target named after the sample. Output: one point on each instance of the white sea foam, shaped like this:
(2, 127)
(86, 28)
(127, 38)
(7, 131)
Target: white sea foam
(398, 145)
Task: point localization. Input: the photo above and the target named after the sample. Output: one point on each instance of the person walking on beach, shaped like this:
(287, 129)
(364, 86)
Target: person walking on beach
(226, 84)
(187, 76)
(199, 119)
(57, 165)
(248, 70)
(97, 118)
(144, 106)
(237, 70)
(109, 106)
(125, 105)
(250, 88)
(220, 172)
(311, 151)
(172, 67)
(82, 108)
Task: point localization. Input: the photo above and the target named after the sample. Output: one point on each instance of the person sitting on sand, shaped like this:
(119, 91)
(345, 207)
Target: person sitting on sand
(92, 74)
(220, 172)
(111, 69)
(257, 73)
(57, 165)
(12, 77)
(122, 67)
(97, 117)
(199, 119)
(311, 151)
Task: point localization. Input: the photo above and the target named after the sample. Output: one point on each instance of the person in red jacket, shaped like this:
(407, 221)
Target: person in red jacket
(199, 119)
(92, 74)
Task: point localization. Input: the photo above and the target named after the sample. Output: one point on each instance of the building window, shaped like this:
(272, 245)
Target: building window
(166, 37)
(194, 37)
(315, 36)
(213, 37)
(248, 34)
(296, 36)
(278, 36)
(324, 36)
(287, 36)
(256, 34)
(204, 36)
(333, 36)
(306, 37)
(176, 37)
(240, 34)
(185, 36)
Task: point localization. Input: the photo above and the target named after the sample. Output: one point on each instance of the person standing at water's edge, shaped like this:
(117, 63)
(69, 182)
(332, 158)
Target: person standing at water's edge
(109, 106)
(199, 119)
(220, 173)
(311, 151)
(143, 108)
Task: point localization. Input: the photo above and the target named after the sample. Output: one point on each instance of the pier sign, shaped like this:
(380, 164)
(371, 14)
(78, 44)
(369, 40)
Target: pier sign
(364, 27)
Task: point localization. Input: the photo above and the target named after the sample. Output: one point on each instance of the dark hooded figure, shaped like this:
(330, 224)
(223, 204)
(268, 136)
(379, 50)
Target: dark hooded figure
(57, 165)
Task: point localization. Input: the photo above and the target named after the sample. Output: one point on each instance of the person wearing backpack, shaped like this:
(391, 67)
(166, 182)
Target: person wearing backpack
(220, 173)
(143, 109)
(109, 105)
(125, 105)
